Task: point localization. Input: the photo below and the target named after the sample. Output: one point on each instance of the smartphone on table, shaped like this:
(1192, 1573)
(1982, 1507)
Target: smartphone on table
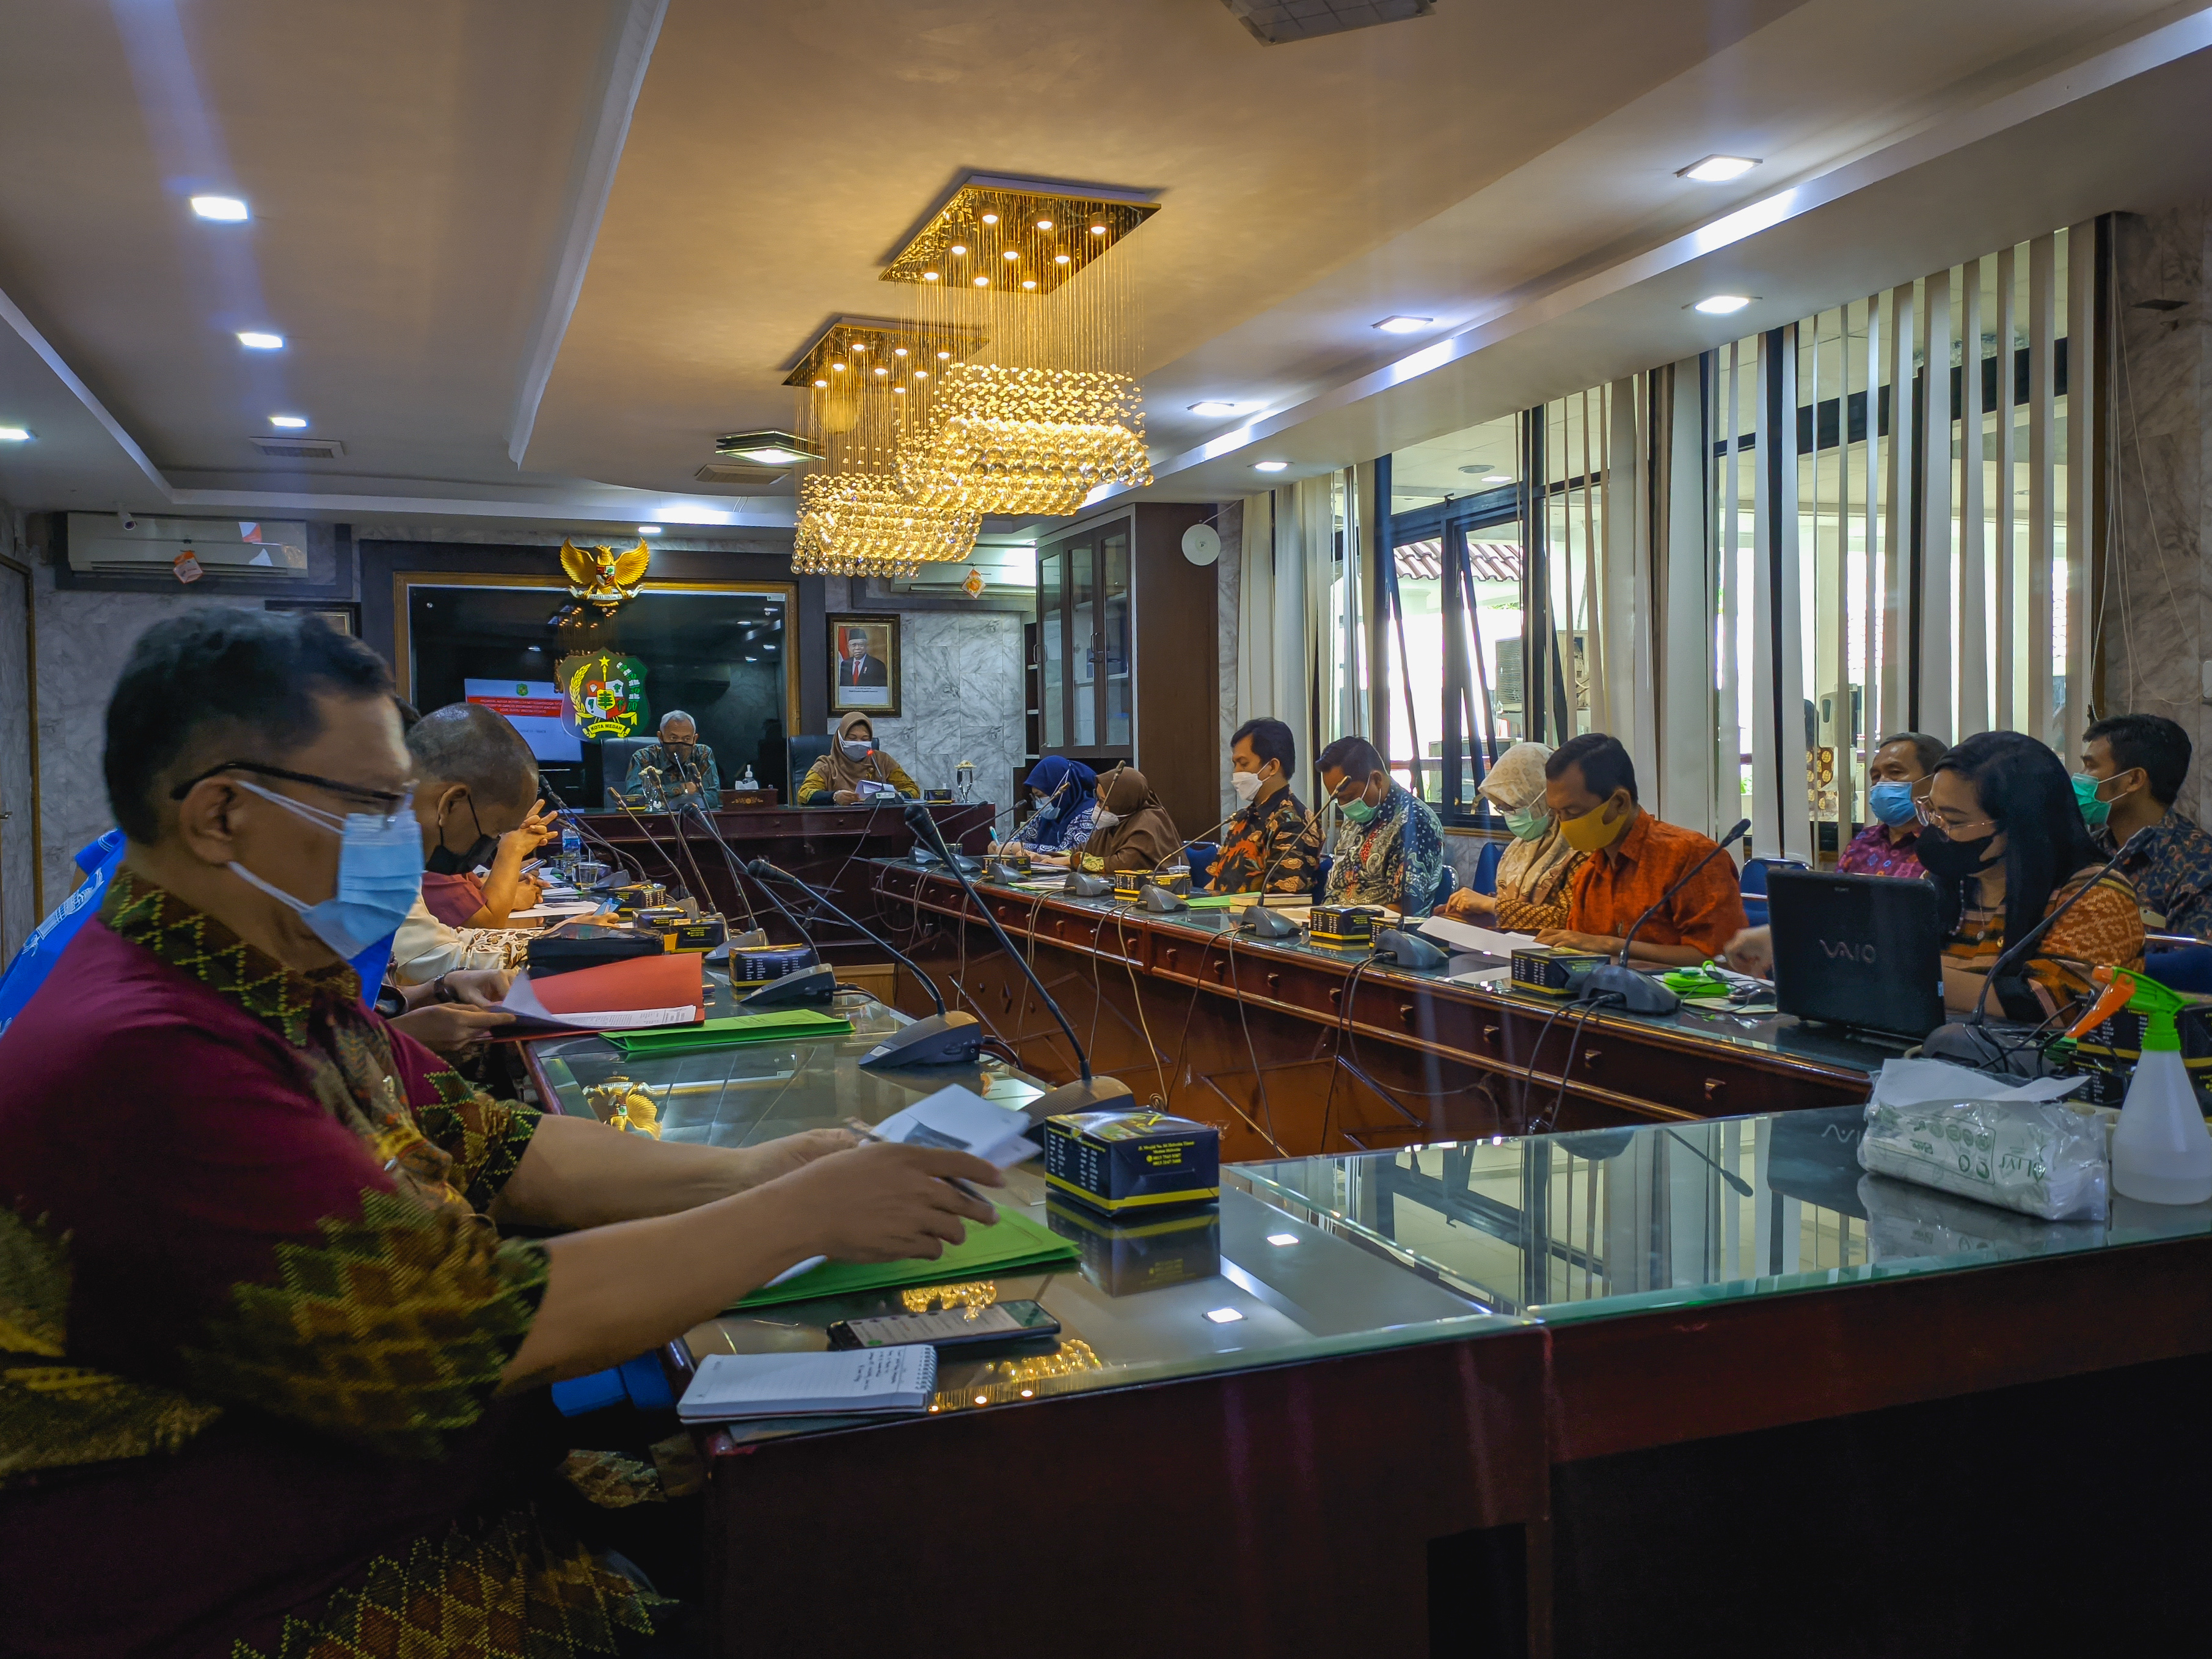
(950, 1328)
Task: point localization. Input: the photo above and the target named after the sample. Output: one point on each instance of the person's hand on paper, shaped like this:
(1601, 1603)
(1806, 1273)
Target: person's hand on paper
(478, 987)
(846, 798)
(772, 1159)
(1752, 952)
(1568, 939)
(887, 1203)
(449, 1029)
(1465, 904)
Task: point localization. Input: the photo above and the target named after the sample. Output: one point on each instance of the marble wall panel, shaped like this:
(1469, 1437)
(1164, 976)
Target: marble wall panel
(961, 691)
(83, 640)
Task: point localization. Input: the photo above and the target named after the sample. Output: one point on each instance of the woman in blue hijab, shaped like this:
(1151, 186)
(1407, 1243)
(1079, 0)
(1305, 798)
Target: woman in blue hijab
(1066, 806)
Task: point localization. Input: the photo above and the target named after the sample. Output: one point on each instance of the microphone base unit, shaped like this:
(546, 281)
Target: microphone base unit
(1618, 984)
(815, 984)
(927, 860)
(1082, 885)
(1161, 900)
(1264, 924)
(1005, 867)
(1409, 949)
(950, 1039)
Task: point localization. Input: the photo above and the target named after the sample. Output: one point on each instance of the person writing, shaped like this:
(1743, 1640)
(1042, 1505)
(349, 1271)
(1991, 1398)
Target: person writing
(1271, 844)
(1131, 830)
(1065, 811)
(1632, 859)
(1537, 871)
(481, 758)
(2133, 767)
(2005, 844)
(1897, 780)
(271, 1274)
(1389, 847)
(679, 767)
(854, 760)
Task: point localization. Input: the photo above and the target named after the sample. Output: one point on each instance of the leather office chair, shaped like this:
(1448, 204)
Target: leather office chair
(614, 764)
(806, 749)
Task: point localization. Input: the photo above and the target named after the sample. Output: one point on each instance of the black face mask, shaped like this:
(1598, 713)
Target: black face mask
(1953, 861)
(444, 861)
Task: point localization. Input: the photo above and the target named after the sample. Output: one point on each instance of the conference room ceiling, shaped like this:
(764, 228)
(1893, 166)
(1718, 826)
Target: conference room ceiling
(425, 180)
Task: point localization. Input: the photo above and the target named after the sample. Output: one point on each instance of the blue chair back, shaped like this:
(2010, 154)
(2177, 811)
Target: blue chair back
(1201, 855)
(2188, 968)
(1321, 880)
(1485, 867)
(1755, 886)
(1447, 879)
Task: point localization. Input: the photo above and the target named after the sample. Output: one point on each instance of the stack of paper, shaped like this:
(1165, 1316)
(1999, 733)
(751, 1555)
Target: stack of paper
(848, 1382)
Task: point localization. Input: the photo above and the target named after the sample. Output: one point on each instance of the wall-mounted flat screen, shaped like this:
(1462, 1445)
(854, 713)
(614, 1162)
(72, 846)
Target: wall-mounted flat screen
(533, 708)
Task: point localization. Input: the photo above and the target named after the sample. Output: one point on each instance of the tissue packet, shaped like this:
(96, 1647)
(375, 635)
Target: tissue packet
(2042, 1158)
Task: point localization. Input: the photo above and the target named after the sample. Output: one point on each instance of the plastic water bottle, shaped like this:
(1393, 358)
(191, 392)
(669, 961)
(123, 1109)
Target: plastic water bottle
(572, 845)
(746, 782)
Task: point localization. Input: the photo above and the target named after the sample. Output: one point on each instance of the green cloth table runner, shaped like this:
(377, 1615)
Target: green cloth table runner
(1016, 1243)
(781, 1025)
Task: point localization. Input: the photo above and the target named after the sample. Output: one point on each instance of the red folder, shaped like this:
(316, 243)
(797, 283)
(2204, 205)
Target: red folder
(669, 981)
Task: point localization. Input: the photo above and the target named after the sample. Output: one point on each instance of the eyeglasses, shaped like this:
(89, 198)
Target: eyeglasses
(376, 803)
(1947, 828)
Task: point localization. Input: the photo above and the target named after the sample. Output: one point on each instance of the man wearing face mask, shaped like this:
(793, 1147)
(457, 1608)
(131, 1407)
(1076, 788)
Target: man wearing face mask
(271, 1274)
(679, 763)
(1632, 858)
(1271, 844)
(1390, 848)
(2133, 767)
(491, 781)
(1537, 872)
(1897, 779)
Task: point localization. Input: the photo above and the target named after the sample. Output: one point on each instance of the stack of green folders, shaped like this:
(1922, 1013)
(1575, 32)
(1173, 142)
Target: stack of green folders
(781, 1025)
(1017, 1242)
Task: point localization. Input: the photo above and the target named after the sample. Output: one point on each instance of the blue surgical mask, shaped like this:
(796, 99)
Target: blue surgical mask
(1048, 810)
(380, 874)
(1892, 803)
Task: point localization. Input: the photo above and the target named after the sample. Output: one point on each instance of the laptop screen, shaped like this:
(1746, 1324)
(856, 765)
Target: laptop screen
(1862, 951)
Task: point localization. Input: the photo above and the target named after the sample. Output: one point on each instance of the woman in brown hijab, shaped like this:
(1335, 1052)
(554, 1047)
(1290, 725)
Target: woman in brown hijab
(835, 778)
(1133, 829)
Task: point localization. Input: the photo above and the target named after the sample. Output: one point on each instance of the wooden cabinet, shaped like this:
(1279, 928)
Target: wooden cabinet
(1125, 655)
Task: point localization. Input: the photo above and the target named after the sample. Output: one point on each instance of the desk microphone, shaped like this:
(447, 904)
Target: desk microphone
(1967, 1041)
(729, 858)
(924, 855)
(1089, 1092)
(1618, 983)
(616, 866)
(818, 984)
(943, 1038)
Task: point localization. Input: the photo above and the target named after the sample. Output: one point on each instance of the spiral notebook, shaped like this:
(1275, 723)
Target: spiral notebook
(862, 1381)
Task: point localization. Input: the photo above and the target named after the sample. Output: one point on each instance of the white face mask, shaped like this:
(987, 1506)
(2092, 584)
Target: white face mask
(1246, 785)
(1106, 819)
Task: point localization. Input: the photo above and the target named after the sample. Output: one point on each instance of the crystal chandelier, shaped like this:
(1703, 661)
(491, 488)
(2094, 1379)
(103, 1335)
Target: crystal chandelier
(1002, 440)
(850, 524)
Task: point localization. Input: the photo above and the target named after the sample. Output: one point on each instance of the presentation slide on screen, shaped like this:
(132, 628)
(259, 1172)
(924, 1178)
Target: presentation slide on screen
(534, 707)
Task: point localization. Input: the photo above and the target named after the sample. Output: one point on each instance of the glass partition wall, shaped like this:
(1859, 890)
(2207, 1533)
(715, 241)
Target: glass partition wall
(720, 652)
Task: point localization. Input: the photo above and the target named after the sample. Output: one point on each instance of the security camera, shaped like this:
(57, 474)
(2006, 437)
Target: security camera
(129, 520)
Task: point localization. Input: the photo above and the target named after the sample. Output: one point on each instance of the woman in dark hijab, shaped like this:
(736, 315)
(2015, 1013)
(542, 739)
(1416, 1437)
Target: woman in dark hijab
(1133, 830)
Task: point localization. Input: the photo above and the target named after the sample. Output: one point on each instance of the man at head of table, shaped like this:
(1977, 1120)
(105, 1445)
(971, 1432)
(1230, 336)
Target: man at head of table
(1589, 783)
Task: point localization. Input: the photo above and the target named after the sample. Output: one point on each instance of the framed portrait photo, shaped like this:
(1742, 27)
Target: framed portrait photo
(863, 664)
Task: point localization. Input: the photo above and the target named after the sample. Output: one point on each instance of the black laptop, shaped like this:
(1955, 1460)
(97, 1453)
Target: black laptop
(1859, 951)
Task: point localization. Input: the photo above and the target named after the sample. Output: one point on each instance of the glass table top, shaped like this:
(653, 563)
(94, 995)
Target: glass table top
(1773, 1034)
(1308, 1258)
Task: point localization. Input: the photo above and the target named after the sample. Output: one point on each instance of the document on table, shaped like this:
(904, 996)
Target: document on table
(555, 907)
(1462, 936)
(841, 1382)
(522, 1000)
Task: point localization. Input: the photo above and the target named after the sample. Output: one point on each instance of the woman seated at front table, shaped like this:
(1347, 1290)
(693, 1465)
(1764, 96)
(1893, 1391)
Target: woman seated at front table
(1066, 810)
(854, 760)
(2003, 839)
(1132, 830)
(1536, 874)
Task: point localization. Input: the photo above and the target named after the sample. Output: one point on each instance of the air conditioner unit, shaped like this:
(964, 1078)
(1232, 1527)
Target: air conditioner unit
(294, 448)
(105, 544)
(1008, 569)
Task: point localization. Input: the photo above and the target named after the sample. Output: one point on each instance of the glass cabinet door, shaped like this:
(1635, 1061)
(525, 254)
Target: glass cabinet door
(1082, 644)
(1052, 650)
(1113, 631)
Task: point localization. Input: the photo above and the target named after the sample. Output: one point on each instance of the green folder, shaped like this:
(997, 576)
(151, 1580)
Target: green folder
(779, 1025)
(1016, 1243)
(1213, 900)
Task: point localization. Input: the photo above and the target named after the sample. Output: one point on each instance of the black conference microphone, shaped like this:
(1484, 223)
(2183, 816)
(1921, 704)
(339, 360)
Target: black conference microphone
(729, 858)
(1088, 1093)
(616, 868)
(818, 984)
(942, 1039)
(925, 855)
(1967, 1041)
(1617, 982)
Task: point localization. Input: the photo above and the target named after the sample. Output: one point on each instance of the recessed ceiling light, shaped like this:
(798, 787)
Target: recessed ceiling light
(857, 345)
(1029, 283)
(921, 374)
(1044, 224)
(770, 449)
(1718, 169)
(1498, 478)
(944, 357)
(1269, 466)
(1404, 325)
(1012, 254)
(1722, 305)
(929, 276)
(821, 384)
(983, 282)
(649, 529)
(1281, 1239)
(1214, 406)
(959, 247)
(254, 340)
(898, 351)
(229, 208)
(990, 218)
(837, 367)
(289, 422)
(1098, 230)
(15, 435)
(1223, 1316)
(1060, 259)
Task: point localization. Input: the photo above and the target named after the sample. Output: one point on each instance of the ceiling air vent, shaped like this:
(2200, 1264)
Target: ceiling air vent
(1275, 22)
(284, 449)
(731, 472)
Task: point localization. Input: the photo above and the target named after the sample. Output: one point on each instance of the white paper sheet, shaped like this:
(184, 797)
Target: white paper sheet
(553, 907)
(523, 1001)
(1918, 1082)
(1463, 936)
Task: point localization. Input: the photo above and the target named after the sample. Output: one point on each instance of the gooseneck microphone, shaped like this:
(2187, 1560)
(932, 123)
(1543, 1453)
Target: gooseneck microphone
(729, 858)
(617, 867)
(1617, 982)
(818, 984)
(1089, 1093)
(943, 1038)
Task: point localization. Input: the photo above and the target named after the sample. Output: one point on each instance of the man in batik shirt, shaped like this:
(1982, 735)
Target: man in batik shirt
(2133, 767)
(1269, 845)
(270, 1377)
